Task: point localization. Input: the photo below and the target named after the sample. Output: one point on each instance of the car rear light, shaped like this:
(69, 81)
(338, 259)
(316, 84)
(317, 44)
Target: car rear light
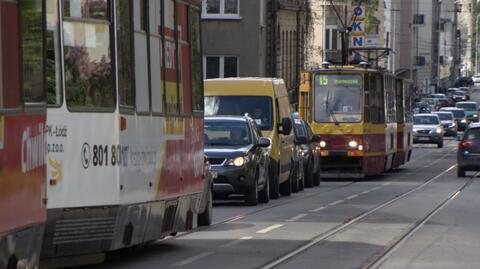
(466, 144)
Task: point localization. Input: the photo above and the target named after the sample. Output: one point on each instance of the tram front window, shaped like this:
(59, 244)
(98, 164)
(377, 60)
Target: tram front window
(337, 98)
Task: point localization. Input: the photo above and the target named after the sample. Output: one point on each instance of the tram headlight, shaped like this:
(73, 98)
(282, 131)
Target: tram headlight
(353, 144)
(323, 144)
(360, 147)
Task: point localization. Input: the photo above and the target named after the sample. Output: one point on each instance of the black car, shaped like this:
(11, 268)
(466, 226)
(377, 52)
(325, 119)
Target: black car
(308, 145)
(464, 82)
(468, 156)
(239, 155)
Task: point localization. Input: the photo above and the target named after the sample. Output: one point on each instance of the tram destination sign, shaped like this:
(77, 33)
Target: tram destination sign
(325, 80)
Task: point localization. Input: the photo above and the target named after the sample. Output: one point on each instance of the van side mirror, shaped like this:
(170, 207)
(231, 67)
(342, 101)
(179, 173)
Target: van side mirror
(316, 139)
(286, 126)
(263, 142)
(301, 140)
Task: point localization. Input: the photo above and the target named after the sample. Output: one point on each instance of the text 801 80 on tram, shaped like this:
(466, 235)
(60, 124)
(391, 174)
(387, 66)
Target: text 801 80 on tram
(363, 116)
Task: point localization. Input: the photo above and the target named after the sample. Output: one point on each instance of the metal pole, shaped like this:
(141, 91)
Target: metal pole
(476, 45)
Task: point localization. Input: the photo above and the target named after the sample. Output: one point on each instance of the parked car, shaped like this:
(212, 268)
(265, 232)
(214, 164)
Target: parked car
(448, 121)
(451, 91)
(437, 95)
(265, 100)
(298, 172)
(468, 156)
(476, 78)
(240, 156)
(310, 149)
(459, 96)
(464, 82)
(427, 129)
(471, 110)
(422, 107)
(460, 117)
(205, 215)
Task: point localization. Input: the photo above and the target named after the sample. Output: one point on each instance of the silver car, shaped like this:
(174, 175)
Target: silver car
(428, 129)
(448, 121)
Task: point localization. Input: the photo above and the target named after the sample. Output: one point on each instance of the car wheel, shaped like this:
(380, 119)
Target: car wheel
(205, 218)
(308, 179)
(251, 197)
(274, 182)
(440, 145)
(286, 187)
(461, 172)
(317, 179)
(301, 184)
(264, 195)
(294, 180)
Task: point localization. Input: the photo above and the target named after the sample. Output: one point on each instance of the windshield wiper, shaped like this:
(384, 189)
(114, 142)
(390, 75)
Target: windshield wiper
(327, 107)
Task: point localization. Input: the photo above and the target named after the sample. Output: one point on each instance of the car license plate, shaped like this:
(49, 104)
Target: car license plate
(424, 139)
(214, 174)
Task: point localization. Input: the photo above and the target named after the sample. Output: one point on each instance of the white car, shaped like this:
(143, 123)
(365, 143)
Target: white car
(428, 129)
(476, 78)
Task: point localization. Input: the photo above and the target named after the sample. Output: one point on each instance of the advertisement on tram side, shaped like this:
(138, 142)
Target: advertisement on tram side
(22, 172)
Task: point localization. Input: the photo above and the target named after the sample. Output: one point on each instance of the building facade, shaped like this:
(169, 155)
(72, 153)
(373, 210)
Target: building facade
(255, 38)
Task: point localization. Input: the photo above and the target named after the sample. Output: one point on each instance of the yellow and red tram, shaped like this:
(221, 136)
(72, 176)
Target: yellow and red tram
(360, 115)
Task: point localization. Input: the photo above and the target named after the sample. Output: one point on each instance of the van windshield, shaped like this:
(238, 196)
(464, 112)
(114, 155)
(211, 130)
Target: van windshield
(258, 108)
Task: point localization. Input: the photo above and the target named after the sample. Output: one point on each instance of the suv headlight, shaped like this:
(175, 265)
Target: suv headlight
(464, 121)
(439, 130)
(238, 162)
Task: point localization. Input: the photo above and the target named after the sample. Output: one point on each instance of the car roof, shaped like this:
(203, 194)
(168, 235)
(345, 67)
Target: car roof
(474, 125)
(227, 118)
(426, 114)
(451, 108)
(443, 112)
(467, 102)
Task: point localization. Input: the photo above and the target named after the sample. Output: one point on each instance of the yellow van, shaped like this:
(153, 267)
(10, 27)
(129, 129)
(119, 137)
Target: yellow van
(265, 100)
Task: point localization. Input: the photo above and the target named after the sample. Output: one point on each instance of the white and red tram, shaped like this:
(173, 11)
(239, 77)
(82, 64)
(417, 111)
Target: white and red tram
(22, 134)
(124, 124)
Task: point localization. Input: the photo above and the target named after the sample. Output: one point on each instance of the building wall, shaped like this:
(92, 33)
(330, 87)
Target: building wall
(243, 38)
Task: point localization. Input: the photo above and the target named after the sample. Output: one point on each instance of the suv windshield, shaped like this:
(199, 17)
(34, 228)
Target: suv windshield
(467, 106)
(337, 98)
(257, 107)
(226, 133)
(425, 120)
(445, 116)
(457, 113)
(472, 135)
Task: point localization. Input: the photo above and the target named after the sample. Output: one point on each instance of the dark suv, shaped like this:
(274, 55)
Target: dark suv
(468, 157)
(309, 148)
(240, 156)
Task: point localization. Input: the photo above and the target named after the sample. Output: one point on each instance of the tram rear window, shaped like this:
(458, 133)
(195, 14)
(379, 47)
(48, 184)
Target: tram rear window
(88, 66)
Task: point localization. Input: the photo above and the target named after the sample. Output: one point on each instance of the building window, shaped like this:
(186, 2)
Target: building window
(224, 9)
(331, 38)
(220, 67)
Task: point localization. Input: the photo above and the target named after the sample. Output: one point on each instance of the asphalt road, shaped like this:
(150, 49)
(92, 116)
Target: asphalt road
(420, 216)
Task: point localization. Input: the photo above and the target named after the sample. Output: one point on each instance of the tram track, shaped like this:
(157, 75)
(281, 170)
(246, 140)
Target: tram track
(283, 203)
(390, 250)
(355, 220)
